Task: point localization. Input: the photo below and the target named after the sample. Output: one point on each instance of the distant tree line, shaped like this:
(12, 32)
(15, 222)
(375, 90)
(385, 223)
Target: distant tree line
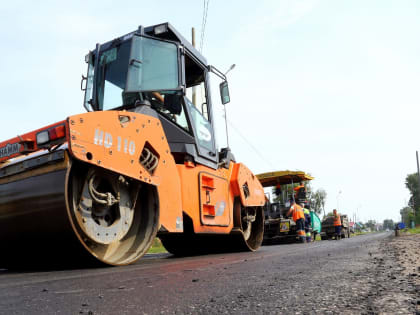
(411, 213)
(373, 225)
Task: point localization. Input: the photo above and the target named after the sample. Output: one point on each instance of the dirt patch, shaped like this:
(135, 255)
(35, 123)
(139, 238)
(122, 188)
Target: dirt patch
(396, 279)
(408, 255)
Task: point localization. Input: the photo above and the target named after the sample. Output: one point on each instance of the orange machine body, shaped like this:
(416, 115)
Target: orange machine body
(212, 193)
(115, 140)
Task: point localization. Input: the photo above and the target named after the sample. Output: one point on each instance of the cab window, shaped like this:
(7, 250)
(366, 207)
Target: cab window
(202, 127)
(195, 86)
(196, 101)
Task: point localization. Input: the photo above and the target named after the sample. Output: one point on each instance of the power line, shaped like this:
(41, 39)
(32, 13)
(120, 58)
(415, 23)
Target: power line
(203, 23)
(251, 145)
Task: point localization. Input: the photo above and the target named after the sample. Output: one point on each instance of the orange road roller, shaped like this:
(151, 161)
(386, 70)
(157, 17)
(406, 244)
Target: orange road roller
(142, 162)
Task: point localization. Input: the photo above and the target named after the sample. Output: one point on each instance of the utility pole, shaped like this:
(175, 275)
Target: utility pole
(418, 177)
(194, 92)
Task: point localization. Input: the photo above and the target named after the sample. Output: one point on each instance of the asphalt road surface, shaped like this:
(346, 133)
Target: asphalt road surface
(356, 275)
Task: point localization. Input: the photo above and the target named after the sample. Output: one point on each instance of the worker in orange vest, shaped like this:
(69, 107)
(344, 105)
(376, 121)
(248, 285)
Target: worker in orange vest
(337, 224)
(299, 217)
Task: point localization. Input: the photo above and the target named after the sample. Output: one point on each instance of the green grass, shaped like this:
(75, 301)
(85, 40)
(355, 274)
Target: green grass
(360, 233)
(414, 231)
(157, 247)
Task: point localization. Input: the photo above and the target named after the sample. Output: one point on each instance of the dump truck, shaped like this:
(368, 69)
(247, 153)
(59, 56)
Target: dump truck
(142, 162)
(328, 228)
(277, 226)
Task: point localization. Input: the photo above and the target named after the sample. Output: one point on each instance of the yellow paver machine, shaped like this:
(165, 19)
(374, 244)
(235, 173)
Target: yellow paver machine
(285, 187)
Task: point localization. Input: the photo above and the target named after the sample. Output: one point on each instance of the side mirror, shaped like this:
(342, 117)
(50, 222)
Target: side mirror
(224, 92)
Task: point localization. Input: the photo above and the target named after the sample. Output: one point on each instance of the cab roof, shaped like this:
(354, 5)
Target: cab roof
(282, 177)
(163, 31)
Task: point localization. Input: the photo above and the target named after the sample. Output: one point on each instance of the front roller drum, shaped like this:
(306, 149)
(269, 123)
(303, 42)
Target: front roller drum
(114, 217)
(77, 216)
(251, 222)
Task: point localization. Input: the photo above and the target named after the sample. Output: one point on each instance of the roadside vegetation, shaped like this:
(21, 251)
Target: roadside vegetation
(411, 212)
(414, 231)
(157, 247)
(360, 233)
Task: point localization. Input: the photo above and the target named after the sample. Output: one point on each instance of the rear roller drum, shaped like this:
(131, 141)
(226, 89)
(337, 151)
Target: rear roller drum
(247, 235)
(114, 217)
(251, 222)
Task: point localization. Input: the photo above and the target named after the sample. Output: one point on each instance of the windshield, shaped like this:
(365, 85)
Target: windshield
(132, 67)
(153, 65)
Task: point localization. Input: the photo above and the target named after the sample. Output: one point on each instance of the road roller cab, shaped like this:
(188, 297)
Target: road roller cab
(142, 162)
(156, 67)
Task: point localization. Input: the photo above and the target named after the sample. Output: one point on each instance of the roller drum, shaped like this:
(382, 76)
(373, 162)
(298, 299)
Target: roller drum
(246, 236)
(48, 219)
(34, 227)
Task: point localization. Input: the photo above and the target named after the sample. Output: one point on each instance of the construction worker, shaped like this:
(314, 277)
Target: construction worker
(298, 216)
(300, 193)
(308, 227)
(337, 224)
(278, 190)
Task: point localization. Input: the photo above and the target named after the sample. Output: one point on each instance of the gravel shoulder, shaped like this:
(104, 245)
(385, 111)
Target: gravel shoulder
(393, 288)
(361, 275)
(406, 252)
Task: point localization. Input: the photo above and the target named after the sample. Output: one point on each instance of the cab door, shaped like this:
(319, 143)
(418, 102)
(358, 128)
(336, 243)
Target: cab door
(198, 105)
(203, 133)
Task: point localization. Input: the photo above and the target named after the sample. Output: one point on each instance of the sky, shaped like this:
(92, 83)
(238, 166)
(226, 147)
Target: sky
(327, 87)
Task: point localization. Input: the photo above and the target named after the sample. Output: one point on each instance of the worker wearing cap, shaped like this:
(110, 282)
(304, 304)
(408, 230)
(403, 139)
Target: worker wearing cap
(337, 224)
(308, 227)
(299, 217)
(300, 192)
(278, 190)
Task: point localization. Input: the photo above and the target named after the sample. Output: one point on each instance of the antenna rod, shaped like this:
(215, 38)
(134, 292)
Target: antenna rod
(227, 134)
